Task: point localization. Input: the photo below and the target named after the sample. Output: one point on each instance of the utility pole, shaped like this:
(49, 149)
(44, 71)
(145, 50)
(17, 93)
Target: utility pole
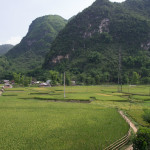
(64, 84)
(119, 72)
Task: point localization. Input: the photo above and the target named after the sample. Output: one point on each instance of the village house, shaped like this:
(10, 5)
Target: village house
(44, 85)
(7, 85)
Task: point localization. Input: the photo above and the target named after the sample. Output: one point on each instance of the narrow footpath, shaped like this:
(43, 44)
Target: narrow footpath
(131, 125)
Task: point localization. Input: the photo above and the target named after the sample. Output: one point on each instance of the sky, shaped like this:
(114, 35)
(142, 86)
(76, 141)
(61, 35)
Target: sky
(17, 15)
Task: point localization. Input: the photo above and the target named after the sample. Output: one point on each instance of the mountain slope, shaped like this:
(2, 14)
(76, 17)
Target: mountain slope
(91, 43)
(5, 48)
(31, 51)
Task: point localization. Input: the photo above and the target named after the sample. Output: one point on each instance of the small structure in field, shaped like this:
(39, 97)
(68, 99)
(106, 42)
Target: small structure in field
(7, 85)
(6, 81)
(44, 85)
(35, 82)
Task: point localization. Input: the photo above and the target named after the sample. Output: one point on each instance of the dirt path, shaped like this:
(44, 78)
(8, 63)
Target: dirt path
(130, 147)
(129, 121)
(131, 125)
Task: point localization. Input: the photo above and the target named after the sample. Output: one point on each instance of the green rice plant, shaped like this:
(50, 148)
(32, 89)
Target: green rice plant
(137, 115)
(9, 94)
(46, 125)
(37, 93)
(144, 98)
(101, 96)
(14, 89)
(1, 85)
(137, 89)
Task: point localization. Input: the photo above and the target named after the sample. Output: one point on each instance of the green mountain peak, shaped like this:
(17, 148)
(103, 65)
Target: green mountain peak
(30, 52)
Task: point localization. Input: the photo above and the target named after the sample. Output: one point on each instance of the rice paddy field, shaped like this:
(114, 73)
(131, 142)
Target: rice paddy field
(31, 120)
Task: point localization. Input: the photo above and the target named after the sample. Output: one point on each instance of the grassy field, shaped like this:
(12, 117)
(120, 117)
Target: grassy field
(74, 93)
(30, 121)
(67, 126)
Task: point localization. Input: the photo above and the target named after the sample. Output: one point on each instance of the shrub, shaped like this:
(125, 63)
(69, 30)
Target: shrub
(142, 140)
(146, 116)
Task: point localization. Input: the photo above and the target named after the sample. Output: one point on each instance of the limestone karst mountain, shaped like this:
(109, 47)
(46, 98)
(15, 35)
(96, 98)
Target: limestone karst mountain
(31, 51)
(90, 44)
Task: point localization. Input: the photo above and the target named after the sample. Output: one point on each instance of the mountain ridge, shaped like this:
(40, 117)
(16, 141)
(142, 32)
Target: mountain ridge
(5, 48)
(30, 52)
(89, 44)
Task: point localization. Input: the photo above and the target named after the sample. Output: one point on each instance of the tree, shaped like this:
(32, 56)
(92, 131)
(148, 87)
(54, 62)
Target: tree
(21, 79)
(105, 77)
(27, 80)
(142, 140)
(146, 115)
(145, 80)
(4, 66)
(68, 78)
(54, 77)
(135, 78)
(125, 78)
(97, 79)
(17, 78)
(94, 57)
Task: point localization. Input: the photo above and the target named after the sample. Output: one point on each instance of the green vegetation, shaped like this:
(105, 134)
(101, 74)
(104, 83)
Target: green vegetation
(142, 142)
(87, 49)
(146, 116)
(55, 77)
(34, 124)
(4, 67)
(5, 48)
(21, 79)
(90, 44)
(83, 93)
(31, 51)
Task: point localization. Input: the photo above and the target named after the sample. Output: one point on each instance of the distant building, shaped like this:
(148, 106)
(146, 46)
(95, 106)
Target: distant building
(35, 82)
(44, 85)
(7, 85)
(6, 81)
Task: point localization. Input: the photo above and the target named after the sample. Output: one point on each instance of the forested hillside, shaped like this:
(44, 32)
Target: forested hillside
(30, 52)
(4, 68)
(103, 37)
(5, 48)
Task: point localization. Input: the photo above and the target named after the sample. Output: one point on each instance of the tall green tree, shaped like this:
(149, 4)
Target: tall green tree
(54, 77)
(21, 79)
(135, 78)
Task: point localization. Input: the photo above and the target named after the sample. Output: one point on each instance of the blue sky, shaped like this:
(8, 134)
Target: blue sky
(17, 15)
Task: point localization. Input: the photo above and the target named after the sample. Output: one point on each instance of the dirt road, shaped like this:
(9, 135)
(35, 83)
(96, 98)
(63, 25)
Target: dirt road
(131, 125)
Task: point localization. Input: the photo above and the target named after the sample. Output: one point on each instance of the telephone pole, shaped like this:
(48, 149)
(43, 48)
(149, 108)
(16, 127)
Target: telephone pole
(64, 85)
(119, 72)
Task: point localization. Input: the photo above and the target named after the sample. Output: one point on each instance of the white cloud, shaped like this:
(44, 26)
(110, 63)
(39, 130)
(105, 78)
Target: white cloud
(13, 40)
